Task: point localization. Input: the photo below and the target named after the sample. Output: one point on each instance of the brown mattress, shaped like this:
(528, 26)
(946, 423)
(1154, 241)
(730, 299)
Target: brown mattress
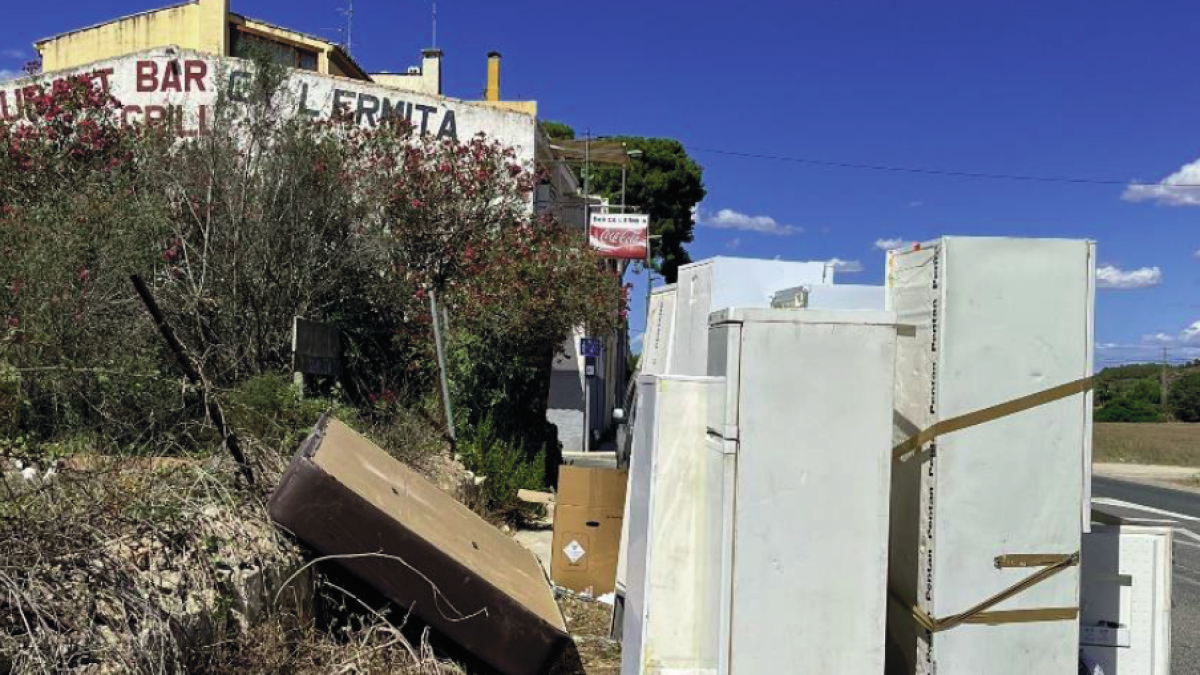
(474, 584)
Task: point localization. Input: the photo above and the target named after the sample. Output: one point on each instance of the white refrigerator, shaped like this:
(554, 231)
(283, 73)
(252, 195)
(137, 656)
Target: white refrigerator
(1125, 618)
(803, 433)
(991, 375)
(710, 285)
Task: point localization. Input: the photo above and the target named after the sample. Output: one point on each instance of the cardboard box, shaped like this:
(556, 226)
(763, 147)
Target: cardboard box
(343, 495)
(587, 529)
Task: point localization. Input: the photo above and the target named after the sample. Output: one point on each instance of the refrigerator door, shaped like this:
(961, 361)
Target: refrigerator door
(635, 523)
(672, 613)
(721, 454)
(810, 523)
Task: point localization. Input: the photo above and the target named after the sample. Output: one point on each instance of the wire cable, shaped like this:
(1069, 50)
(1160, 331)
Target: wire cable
(941, 172)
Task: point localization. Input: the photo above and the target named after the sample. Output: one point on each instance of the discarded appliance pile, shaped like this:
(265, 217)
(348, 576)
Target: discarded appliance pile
(822, 479)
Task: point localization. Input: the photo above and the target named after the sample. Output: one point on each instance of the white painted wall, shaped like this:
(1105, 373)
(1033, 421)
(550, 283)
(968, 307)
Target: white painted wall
(181, 87)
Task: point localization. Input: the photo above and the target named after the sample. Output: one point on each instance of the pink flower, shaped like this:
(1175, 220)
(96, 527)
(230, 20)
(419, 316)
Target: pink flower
(84, 275)
(417, 204)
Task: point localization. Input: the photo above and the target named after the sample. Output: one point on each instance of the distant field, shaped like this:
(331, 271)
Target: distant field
(1173, 444)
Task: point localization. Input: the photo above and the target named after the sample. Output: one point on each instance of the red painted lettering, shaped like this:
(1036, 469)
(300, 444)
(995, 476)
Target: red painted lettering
(155, 113)
(4, 114)
(194, 72)
(103, 75)
(171, 80)
(125, 112)
(147, 76)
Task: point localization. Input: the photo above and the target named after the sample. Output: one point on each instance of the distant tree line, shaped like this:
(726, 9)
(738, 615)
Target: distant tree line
(1134, 393)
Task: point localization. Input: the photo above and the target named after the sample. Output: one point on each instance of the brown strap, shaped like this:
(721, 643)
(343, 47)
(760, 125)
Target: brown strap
(990, 414)
(979, 614)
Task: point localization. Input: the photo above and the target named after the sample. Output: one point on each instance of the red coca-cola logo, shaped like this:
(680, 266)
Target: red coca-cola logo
(619, 242)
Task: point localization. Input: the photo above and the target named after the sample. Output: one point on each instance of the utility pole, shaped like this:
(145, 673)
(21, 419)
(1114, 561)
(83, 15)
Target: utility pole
(587, 227)
(1163, 384)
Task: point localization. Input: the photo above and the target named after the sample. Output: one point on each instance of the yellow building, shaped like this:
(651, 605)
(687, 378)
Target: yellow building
(201, 25)
(208, 26)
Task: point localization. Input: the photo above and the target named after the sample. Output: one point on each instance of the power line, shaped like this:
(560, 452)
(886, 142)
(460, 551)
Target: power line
(938, 172)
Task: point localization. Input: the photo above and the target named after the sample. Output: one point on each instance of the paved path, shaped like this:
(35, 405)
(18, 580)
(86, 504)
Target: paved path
(1182, 509)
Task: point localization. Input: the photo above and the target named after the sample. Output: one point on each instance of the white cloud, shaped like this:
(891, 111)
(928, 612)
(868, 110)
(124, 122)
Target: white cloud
(846, 266)
(1191, 333)
(1181, 188)
(728, 219)
(735, 242)
(1110, 276)
(891, 244)
(1196, 255)
(1107, 345)
(6, 74)
(916, 204)
(12, 53)
(1158, 338)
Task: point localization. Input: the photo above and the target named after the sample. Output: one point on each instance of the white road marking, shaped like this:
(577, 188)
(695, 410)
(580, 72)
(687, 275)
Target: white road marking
(1104, 501)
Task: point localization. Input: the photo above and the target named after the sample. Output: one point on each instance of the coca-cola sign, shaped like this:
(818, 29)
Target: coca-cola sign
(620, 235)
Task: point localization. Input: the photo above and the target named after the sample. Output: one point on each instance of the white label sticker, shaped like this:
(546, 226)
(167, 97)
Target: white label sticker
(574, 551)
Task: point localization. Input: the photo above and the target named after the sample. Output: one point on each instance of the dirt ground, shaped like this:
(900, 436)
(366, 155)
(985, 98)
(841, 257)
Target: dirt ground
(1177, 477)
(589, 623)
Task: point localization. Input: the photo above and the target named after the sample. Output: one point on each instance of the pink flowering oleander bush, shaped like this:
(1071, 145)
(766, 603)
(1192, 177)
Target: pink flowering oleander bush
(261, 220)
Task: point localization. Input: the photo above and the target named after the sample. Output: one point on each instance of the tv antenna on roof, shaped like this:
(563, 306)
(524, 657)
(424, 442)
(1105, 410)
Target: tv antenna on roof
(349, 12)
(434, 45)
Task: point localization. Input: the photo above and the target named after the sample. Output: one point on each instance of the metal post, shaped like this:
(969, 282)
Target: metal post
(622, 188)
(587, 227)
(587, 409)
(441, 357)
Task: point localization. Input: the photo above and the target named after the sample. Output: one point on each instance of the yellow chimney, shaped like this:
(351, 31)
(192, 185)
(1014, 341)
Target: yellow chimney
(493, 80)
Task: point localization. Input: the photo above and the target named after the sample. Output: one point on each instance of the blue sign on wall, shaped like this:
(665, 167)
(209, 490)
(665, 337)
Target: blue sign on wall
(590, 347)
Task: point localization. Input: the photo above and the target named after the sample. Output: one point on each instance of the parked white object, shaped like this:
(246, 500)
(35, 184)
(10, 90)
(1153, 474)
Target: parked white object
(992, 320)
(1125, 617)
(717, 283)
(804, 430)
(830, 296)
(660, 324)
(671, 615)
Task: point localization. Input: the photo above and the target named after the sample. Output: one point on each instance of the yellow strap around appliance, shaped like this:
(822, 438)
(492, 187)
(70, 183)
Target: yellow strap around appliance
(979, 614)
(990, 414)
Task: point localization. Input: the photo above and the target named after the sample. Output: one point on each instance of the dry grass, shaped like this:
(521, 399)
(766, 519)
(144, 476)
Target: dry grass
(1162, 444)
(588, 622)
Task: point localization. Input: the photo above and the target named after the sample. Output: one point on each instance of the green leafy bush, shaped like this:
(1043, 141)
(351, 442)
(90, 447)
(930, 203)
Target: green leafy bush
(269, 408)
(1129, 409)
(504, 467)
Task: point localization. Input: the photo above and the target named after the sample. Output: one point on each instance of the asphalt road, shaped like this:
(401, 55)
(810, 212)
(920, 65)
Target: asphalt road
(1183, 510)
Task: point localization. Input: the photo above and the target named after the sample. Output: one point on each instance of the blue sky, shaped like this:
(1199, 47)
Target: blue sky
(1075, 89)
